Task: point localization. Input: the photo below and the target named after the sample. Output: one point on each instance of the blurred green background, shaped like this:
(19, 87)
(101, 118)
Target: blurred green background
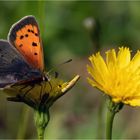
(74, 29)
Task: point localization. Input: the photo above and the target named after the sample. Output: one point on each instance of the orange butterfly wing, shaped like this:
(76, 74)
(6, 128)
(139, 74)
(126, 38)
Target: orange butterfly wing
(25, 36)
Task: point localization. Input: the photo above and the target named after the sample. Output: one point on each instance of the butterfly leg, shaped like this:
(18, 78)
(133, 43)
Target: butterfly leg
(25, 94)
(17, 98)
(43, 86)
(45, 98)
(41, 91)
(14, 99)
(56, 74)
(24, 87)
(20, 98)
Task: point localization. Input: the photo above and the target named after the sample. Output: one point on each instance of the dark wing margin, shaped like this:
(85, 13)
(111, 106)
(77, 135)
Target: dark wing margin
(26, 34)
(13, 67)
(20, 24)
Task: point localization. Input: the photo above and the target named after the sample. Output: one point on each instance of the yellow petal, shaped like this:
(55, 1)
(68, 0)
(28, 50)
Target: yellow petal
(133, 102)
(135, 63)
(95, 84)
(123, 57)
(111, 57)
(96, 74)
(99, 65)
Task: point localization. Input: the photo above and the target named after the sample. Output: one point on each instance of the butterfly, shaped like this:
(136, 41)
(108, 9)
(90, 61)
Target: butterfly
(22, 65)
(21, 57)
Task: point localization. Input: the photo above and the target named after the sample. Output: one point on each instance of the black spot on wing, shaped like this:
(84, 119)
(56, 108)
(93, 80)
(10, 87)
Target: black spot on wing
(34, 44)
(26, 35)
(36, 34)
(21, 37)
(32, 31)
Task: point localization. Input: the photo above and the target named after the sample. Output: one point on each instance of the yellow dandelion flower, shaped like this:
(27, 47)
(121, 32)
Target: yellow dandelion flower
(118, 76)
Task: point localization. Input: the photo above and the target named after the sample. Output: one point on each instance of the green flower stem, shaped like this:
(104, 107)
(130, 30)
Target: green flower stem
(100, 119)
(113, 108)
(110, 118)
(41, 119)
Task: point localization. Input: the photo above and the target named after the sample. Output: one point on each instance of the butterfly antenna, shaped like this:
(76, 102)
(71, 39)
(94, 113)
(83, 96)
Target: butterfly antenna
(53, 68)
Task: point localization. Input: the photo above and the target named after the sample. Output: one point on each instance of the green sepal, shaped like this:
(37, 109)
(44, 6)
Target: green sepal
(114, 107)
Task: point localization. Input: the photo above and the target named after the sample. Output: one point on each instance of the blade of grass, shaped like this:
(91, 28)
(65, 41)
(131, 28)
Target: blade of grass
(23, 122)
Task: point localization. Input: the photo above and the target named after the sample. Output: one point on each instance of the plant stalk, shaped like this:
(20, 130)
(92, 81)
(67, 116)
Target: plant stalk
(41, 120)
(113, 108)
(109, 126)
(100, 124)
